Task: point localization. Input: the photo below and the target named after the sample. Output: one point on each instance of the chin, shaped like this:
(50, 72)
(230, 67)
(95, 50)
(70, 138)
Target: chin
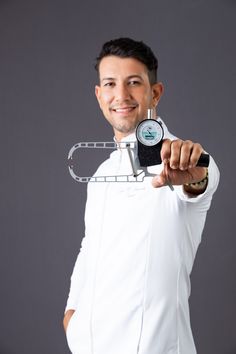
(125, 131)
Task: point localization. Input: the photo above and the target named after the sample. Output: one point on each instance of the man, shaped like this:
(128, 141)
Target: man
(130, 285)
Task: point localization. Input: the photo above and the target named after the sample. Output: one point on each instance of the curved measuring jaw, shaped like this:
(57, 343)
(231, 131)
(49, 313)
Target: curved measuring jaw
(138, 173)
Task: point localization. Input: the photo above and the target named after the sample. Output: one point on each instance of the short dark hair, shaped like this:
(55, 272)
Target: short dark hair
(129, 48)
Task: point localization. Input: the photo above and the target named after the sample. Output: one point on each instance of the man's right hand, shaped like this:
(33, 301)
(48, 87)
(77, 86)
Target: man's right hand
(67, 318)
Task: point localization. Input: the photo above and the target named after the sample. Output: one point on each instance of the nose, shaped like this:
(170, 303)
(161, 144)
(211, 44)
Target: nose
(122, 92)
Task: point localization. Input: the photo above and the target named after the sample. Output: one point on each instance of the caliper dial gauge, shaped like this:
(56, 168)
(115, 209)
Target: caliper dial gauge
(149, 132)
(149, 135)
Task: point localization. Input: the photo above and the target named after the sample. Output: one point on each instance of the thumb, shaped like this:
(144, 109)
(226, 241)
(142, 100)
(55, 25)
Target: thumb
(158, 181)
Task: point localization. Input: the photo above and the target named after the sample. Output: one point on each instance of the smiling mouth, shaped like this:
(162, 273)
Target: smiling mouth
(124, 109)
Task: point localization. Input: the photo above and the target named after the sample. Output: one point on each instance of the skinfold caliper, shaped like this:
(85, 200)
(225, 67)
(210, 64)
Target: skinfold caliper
(149, 134)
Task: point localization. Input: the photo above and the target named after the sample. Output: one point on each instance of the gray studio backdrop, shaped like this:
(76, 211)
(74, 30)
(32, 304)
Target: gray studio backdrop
(47, 104)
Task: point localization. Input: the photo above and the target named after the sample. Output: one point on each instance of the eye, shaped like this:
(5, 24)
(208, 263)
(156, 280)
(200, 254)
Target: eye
(109, 84)
(134, 82)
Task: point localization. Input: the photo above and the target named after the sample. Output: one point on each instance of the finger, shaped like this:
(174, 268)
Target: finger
(186, 151)
(158, 181)
(163, 179)
(197, 150)
(175, 153)
(166, 150)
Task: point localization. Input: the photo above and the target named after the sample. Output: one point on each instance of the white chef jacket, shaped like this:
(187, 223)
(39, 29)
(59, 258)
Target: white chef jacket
(130, 284)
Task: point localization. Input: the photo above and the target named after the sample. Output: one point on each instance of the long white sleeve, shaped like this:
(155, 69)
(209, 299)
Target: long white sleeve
(77, 278)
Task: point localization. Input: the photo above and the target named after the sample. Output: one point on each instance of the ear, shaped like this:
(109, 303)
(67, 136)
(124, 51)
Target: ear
(98, 93)
(157, 91)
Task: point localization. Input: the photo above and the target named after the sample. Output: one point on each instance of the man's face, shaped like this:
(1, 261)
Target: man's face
(125, 93)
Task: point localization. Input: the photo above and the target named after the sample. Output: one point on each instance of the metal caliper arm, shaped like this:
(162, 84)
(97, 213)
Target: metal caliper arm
(138, 175)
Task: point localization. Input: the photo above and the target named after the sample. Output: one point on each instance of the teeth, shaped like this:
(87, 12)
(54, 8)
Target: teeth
(121, 110)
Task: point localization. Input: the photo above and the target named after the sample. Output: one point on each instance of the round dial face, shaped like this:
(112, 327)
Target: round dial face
(149, 132)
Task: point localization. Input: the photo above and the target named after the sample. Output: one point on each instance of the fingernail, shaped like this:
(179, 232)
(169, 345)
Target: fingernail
(183, 168)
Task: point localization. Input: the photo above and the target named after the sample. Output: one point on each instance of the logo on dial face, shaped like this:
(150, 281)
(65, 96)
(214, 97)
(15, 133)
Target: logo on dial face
(149, 134)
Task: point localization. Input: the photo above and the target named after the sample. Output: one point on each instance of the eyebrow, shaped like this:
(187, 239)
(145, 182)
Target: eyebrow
(128, 78)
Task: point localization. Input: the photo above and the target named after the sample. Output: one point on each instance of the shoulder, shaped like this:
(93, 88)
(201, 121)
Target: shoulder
(167, 133)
